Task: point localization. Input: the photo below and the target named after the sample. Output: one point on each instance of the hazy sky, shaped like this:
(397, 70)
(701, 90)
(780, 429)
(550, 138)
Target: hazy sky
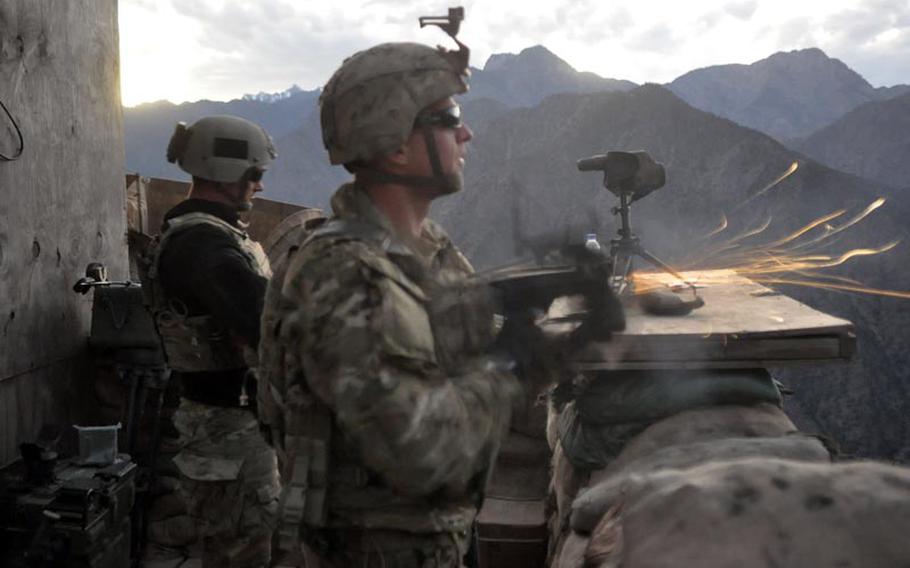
(221, 49)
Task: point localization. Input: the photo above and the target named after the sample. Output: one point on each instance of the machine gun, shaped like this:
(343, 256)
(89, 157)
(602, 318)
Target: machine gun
(524, 293)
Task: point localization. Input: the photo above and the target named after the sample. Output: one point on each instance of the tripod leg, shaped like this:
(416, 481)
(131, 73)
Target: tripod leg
(659, 263)
(133, 410)
(622, 267)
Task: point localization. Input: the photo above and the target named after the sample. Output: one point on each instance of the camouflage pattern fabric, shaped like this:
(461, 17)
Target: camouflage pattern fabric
(229, 482)
(369, 105)
(365, 326)
(389, 549)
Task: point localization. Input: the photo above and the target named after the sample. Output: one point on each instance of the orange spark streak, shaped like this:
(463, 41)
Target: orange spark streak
(723, 225)
(857, 252)
(865, 213)
(790, 171)
(839, 287)
(807, 228)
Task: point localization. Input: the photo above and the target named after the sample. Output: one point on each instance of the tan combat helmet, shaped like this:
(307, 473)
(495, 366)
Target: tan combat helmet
(370, 104)
(221, 148)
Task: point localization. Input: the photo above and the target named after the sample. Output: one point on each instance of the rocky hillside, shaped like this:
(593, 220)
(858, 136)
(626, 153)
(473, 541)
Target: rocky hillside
(301, 174)
(148, 127)
(522, 170)
(872, 141)
(532, 75)
(788, 95)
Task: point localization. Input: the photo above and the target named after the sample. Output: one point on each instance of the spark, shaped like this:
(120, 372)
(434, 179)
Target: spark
(790, 171)
(796, 259)
(830, 233)
(840, 287)
(820, 221)
(721, 228)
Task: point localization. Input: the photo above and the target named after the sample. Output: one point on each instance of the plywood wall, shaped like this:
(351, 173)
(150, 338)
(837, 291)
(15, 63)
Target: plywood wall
(62, 204)
(151, 198)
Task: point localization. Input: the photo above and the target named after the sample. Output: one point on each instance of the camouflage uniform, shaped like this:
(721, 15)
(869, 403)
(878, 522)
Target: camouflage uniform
(228, 472)
(388, 412)
(229, 483)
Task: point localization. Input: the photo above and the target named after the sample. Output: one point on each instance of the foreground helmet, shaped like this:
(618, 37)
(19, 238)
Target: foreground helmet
(220, 148)
(369, 106)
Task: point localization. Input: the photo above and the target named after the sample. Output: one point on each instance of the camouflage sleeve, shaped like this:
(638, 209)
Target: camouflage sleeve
(367, 350)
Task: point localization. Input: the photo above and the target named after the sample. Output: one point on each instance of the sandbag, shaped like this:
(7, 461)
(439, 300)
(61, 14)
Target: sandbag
(617, 397)
(607, 487)
(612, 408)
(571, 553)
(703, 424)
(591, 446)
(767, 512)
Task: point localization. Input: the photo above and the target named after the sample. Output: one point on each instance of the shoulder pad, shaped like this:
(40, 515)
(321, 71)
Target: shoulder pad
(195, 219)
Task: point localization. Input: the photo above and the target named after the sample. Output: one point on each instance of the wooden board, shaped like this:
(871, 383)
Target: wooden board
(149, 199)
(63, 203)
(743, 324)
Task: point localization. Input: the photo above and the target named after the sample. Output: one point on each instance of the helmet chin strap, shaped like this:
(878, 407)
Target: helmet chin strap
(440, 181)
(237, 201)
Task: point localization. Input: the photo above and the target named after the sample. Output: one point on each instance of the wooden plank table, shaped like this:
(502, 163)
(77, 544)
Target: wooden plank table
(742, 324)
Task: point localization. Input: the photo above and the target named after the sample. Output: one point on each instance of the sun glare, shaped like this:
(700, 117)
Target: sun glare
(158, 51)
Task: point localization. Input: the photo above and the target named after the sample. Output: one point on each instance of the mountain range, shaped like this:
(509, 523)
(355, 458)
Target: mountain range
(788, 95)
(723, 133)
(871, 141)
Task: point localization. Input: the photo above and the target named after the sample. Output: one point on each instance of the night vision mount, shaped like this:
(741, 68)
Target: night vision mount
(450, 24)
(630, 176)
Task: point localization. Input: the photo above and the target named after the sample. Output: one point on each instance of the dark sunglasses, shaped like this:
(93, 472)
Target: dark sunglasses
(446, 118)
(254, 175)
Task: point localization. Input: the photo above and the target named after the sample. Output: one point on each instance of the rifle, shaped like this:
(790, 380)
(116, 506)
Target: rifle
(523, 294)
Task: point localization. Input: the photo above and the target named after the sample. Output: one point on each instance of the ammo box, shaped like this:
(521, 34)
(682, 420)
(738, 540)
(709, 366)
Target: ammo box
(511, 528)
(120, 319)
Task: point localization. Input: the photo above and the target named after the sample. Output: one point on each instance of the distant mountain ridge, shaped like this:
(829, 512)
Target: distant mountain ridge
(787, 95)
(871, 141)
(302, 174)
(526, 78)
(264, 97)
(148, 127)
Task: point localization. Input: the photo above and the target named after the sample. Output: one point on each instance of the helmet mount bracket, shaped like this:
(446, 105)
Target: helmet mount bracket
(450, 24)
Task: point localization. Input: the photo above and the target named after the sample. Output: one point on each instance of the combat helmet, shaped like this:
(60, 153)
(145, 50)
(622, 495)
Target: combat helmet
(221, 148)
(370, 105)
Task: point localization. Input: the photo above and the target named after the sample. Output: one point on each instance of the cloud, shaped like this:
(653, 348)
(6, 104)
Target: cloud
(862, 25)
(252, 46)
(222, 49)
(657, 39)
(742, 10)
(795, 33)
(149, 5)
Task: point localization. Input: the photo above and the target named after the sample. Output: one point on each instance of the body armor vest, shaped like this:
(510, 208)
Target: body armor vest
(196, 343)
(324, 485)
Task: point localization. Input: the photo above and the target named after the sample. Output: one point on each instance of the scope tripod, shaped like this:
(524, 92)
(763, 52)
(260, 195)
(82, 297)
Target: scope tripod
(627, 246)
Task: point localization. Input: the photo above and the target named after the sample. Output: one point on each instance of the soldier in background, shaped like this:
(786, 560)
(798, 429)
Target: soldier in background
(206, 280)
(387, 409)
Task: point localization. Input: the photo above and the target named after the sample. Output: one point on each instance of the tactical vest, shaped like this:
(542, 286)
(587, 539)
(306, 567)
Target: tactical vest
(196, 343)
(320, 475)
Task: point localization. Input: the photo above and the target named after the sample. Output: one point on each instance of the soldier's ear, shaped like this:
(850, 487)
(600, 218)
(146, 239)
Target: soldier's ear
(398, 159)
